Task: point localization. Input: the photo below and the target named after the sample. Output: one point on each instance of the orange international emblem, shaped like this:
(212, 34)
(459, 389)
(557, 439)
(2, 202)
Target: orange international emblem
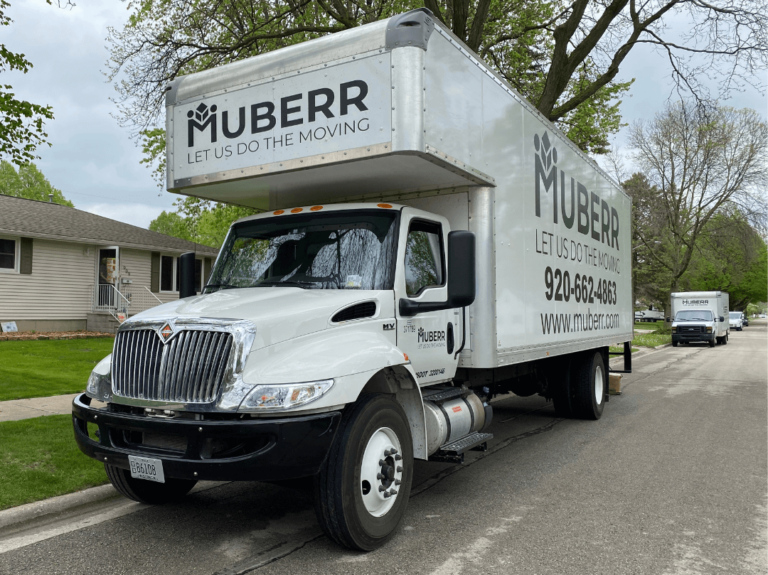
(166, 332)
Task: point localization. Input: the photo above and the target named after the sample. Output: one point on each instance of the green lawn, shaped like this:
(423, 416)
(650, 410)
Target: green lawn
(39, 459)
(619, 349)
(651, 339)
(649, 324)
(43, 368)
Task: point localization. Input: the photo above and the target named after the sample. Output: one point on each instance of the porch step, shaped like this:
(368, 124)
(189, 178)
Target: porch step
(103, 322)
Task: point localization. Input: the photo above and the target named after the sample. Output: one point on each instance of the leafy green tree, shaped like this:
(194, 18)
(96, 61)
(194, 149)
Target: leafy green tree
(699, 161)
(22, 124)
(200, 221)
(171, 224)
(30, 183)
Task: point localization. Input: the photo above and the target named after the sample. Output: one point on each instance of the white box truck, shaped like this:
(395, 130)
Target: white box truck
(699, 316)
(427, 242)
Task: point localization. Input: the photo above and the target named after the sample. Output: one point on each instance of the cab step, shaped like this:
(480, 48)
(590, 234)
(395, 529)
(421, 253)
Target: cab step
(454, 452)
(441, 395)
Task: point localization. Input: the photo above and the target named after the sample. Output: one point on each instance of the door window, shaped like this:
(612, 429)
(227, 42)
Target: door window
(423, 257)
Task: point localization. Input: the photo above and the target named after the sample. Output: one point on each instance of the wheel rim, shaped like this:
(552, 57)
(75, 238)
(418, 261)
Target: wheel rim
(599, 385)
(381, 472)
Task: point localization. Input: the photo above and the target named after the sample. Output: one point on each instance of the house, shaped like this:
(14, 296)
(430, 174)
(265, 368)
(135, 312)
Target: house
(63, 269)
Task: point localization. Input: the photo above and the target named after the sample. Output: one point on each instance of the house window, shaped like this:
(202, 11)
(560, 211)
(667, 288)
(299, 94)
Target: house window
(168, 273)
(8, 255)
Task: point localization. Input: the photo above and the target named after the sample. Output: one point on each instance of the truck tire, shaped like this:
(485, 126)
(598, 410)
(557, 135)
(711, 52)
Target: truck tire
(711, 343)
(351, 499)
(674, 344)
(588, 379)
(562, 393)
(149, 492)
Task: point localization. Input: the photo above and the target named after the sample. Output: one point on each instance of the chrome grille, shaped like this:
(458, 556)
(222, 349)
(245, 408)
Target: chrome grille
(189, 369)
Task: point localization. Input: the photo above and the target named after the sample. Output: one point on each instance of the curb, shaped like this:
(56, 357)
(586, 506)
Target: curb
(54, 505)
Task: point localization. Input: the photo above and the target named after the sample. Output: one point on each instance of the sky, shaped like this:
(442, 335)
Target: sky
(96, 163)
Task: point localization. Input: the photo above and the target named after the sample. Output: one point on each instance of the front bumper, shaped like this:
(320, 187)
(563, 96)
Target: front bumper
(680, 337)
(260, 449)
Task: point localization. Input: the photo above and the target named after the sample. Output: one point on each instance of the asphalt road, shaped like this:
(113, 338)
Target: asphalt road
(672, 480)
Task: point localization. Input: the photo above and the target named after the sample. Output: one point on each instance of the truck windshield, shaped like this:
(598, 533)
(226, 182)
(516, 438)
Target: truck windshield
(333, 250)
(694, 315)
(734, 315)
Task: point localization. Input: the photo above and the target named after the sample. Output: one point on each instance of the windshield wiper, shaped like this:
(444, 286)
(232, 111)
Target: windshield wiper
(221, 286)
(287, 283)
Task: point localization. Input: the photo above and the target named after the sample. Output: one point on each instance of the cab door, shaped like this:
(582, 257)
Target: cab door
(432, 338)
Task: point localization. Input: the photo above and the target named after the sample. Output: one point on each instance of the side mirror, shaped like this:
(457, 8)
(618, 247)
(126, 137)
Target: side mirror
(669, 319)
(461, 277)
(722, 318)
(187, 275)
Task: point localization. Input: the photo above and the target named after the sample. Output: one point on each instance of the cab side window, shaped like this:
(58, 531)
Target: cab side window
(423, 257)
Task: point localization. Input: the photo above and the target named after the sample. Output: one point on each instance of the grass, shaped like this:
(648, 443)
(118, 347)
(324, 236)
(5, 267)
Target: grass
(649, 324)
(41, 368)
(40, 459)
(620, 349)
(651, 339)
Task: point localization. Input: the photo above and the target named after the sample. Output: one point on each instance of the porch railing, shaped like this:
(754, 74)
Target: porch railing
(122, 304)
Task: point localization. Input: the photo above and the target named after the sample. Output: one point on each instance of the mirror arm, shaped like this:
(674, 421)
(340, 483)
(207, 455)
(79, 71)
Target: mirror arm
(409, 308)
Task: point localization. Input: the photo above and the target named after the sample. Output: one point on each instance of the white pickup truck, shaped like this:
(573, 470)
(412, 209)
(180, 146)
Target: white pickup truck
(427, 241)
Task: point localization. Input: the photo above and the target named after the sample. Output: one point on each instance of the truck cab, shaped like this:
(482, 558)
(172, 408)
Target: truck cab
(694, 325)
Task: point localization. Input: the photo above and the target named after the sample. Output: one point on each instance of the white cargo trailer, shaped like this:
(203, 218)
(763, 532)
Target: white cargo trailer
(427, 241)
(699, 316)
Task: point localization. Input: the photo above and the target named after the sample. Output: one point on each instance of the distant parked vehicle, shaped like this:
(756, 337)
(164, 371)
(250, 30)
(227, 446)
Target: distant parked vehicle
(699, 316)
(744, 320)
(735, 321)
(649, 315)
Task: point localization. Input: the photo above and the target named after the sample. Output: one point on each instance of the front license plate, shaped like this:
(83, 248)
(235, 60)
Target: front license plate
(146, 468)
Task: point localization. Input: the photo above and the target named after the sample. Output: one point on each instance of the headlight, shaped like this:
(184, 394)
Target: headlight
(284, 396)
(674, 329)
(100, 381)
(709, 329)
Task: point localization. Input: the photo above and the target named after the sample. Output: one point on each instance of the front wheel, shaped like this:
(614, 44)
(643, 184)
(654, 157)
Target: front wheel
(149, 492)
(674, 344)
(362, 490)
(711, 343)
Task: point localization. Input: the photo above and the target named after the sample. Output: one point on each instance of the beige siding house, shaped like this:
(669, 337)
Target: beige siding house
(64, 269)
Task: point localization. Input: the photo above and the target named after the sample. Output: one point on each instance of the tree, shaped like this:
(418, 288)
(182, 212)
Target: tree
(22, 124)
(29, 183)
(701, 160)
(199, 221)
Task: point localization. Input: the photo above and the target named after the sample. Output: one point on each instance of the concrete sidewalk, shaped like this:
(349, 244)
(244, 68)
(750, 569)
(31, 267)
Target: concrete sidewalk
(17, 409)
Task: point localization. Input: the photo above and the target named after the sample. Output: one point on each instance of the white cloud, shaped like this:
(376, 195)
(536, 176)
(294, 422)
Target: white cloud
(135, 214)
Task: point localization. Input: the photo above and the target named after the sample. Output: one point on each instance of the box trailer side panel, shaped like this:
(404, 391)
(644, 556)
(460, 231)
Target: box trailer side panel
(560, 254)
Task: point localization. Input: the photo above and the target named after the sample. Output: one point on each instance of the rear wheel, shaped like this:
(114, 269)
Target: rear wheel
(362, 490)
(589, 382)
(149, 492)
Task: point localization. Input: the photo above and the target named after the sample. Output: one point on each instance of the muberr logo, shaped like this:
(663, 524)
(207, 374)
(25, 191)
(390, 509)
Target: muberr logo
(592, 215)
(199, 119)
(293, 110)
